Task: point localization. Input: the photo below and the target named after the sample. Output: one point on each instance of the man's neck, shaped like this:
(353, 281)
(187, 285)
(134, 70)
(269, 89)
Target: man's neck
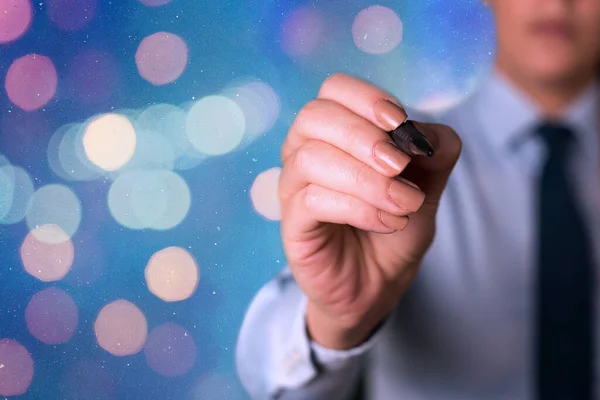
(552, 97)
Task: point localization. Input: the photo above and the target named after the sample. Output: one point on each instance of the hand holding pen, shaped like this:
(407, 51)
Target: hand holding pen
(359, 191)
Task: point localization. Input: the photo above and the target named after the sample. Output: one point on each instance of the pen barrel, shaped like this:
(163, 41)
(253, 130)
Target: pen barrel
(410, 140)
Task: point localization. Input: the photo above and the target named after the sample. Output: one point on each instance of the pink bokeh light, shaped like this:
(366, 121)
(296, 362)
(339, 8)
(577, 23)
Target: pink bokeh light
(15, 19)
(377, 30)
(31, 81)
(302, 32)
(51, 316)
(121, 328)
(71, 15)
(47, 253)
(170, 350)
(161, 58)
(16, 368)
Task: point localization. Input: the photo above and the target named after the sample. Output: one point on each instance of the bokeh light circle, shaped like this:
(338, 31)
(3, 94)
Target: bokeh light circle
(302, 32)
(439, 102)
(109, 141)
(377, 30)
(170, 350)
(57, 205)
(172, 274)
(7, 183)
(167, 121)
(121, 328)
(216, 386)
(47, 253)
(161, 58)
(16, 195)
(71, 15)
(66, 155)
(264, 194)
(15, 19)
(157, 199)
(31, 81)
(51, 316)
(16, 368)
(152, 151)
(260, 104)
(215, 125)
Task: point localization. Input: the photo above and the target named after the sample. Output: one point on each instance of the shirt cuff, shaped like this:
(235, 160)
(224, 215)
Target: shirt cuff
(295, 366)
(333, 359)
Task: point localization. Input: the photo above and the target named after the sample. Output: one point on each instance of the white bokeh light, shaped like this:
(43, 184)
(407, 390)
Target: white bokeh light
(215, 125)
(439, 102)
(73, 164)
(16, 194)
(168, 122)
(109, 141)
(260, 104)
(152, 151)
(157, 199)
(57, 205)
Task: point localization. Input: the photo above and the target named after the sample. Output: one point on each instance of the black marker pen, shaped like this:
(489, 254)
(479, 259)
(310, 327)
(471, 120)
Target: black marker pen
(411, 140)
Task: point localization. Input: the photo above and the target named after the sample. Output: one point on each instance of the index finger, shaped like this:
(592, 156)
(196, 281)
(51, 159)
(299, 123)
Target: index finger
(364, 99)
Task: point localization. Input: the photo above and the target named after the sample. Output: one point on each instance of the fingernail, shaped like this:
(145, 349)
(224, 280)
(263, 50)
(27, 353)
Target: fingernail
(401, 179)
(390, 158)
(405, 196)
(388, 114)
(393, 221)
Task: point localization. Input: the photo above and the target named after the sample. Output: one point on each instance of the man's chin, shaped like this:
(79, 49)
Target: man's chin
(556, 72)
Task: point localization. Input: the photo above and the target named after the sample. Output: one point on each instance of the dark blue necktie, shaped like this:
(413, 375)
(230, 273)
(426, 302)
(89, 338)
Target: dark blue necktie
(565, 286)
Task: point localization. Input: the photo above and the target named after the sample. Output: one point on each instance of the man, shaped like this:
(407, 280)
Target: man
(502, 303)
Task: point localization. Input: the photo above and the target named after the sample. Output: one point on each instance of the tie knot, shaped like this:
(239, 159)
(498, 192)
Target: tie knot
(557, 137)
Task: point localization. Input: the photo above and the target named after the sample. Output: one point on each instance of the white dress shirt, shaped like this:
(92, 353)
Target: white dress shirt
(464, 330)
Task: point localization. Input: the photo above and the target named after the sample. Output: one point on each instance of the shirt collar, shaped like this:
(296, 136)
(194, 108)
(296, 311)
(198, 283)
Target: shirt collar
(508, 115)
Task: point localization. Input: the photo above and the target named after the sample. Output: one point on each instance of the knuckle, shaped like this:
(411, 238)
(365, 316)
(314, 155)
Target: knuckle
(309, 110)
(311, 197)
(363, 212)
(361, 177)
(350, 134)
(332, 81)
(304, 156)
(307, 115)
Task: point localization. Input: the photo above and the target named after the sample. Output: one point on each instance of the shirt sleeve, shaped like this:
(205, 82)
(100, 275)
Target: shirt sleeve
(276, 359)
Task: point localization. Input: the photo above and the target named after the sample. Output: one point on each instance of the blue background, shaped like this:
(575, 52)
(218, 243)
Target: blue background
(446, 45)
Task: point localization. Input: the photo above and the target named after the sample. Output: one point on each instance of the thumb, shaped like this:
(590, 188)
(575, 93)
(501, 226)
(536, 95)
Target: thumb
(431, 173)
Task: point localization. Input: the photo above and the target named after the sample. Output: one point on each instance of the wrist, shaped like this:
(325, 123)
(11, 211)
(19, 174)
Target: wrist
(333, 334)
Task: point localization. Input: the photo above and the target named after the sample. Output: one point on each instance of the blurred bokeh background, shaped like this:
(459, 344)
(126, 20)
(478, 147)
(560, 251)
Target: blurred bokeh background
(139, 144)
